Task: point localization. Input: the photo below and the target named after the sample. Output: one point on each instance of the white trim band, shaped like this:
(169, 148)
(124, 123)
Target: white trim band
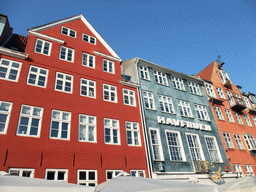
(13, 53)
(107, 56)
(46, 37)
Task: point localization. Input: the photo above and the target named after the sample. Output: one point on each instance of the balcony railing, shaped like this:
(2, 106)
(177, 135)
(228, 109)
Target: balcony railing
(227, 83)
(237, 104)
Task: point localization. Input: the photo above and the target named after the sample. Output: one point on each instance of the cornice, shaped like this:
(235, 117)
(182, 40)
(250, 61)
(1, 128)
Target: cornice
(107, 56)
(13, 53)
(46, 37)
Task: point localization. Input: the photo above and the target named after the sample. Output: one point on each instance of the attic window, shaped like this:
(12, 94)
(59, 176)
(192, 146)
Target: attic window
(89, 39)
(68, 32)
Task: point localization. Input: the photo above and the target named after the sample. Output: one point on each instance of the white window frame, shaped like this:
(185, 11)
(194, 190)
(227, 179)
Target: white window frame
(30, 118)
(238, 169)
(202, 112)
(89, 86)
(44, 45)
(209, 90)
(215, 149)
(21, 170)
(115, 173)
(199, 147)
(87, 182)
(230, 98)
(144, 73)
(250, 141)
(178, 83)
(64, 80)
(60, 120)
(229, 116)
(129, 97)
(254, 120)
(56, 174)
(238, 118)
(67, 50)
(218, 113)
(109, 92)
(133, 128)
(177, 144)
(194, 88)
(238, 141)
(137, 173)
(89, 39)
(228, 140)
(68, 31)
(159, 144)
(160, 78)
(108, 66)
(247, 120)
(166, 104)
(88, 60)
(148, 98)
(184, 108)
(220, 93)
(246, 101)
(10, 68)
(90, 122)
(37, 75)
(224, 76)
(112, 128)
(6, 111)
(249, 170)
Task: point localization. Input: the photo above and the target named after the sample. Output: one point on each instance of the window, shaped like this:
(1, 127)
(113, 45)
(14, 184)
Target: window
(254, 120)
(156, 145)
(133, 133)
(218, 113)
(21, 172)
(184, 108)
(109, 93)
(229, 115)
(230, 98)
(178, 83)
(195, 147)
(228, 140)
(249, 170)
(60, 125)
(209, 90)
(68, 32)
(89, 39)
(5, 112)
(238, 118)
(250, 142)
(88, 88)
(166, 104)
(247, 103)
(220, 93)
(194, 88)
(56, 174)
(87, 177)
(88, 60)
(144, 74)
(213, 149)
(9, 70)
(112, 134)
(37, 76)
(160, 78)
(110, 174)
(202, 112)
(224, 76)
(43, 47)
(137, 173)
(64, 82)
(238, 170)
(87, 128)
(66, 54)
(247, 120)
(148, 100)
(30, 121)
(108, 66)
(174, 143)
(129, 97)
(238, 141)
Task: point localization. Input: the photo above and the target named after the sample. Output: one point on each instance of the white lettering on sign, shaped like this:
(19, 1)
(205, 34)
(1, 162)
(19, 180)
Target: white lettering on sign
(181, 123)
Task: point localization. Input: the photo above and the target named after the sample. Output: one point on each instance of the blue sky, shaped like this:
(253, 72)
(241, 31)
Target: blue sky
(182, 35)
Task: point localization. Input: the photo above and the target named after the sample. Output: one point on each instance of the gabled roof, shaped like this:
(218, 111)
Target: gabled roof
(206, 73)
(69, 19)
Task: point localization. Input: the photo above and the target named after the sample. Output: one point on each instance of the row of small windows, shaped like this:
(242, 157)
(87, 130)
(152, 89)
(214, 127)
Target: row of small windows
(30, 121)
(248, 169)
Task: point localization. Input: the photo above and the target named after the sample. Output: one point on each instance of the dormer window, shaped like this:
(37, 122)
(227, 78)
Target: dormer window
(225, 78)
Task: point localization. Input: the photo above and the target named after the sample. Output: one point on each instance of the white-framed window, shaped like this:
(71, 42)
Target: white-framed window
(37, 76)
(43, 47)
(230, 98)
(238, 118)
(209, 90)
(30, 121)
(195, 147)
(88, 88)
(148, 98)
(112, 132)
(68, 32)
(213, 149)
(247, 120)
(194, 88)
(220, 93)
(229, 116)
(87, 128)
(137, 173)
(250, 141)
(129, 97)
(228, 140)
(156, 144)
(144, 73)
(160, 78)
(238, 141)
(223, 76)
(110, 174)
(218, 113)
(108, 66)
(87, 177)
(202, 112)
(109, 93)
(56, 174)
(88, 60)
(9, 70)
(5, 112)
(238, 169)
(254, 120)
(178, 83)
(247, 103)
(89, 39)
(66, 54)
(249, 170)
(166, 104)
(132, 133)
(60, 125)
(64, 82)
(184, 108)
(22, 172)
(175, 146)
